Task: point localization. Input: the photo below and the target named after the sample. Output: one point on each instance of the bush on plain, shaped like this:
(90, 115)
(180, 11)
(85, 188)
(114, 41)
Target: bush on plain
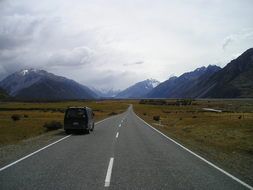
(15, 117)
(53, 125)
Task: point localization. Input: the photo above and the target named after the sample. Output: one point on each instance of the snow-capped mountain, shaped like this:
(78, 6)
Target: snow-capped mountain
(40, 84)
(139, 89)
(22, 79)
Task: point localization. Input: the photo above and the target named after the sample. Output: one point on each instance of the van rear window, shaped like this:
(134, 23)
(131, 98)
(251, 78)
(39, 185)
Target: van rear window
(75, 113)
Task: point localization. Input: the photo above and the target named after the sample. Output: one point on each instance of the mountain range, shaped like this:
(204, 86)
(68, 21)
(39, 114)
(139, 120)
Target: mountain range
(178, 87)
(235, 80)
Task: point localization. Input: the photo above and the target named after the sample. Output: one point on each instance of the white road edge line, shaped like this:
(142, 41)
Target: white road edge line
(27, 156)
(117, 135)
(203, 159)
(109, 173)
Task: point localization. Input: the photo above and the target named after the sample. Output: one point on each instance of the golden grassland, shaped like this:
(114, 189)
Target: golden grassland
(34, 115)
(226, 137)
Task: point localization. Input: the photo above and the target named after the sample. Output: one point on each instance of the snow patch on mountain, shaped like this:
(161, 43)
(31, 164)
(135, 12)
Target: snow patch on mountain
(153, 82)
(139, 90)
(27, 71)
(20, 80)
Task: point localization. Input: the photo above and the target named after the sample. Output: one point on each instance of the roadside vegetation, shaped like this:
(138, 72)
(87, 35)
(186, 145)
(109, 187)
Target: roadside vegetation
(23, 120)
(224, 137)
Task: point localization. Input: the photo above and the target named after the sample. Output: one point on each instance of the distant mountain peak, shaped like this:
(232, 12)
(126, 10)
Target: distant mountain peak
(204, 68)
(139, 90)
(200, 69)
(152, 82)
(40, 84)
(173, 78)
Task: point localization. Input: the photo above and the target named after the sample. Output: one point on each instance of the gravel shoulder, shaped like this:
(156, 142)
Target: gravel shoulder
(11, 153)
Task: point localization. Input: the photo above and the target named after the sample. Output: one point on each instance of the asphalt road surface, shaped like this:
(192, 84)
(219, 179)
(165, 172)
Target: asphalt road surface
(122, 153)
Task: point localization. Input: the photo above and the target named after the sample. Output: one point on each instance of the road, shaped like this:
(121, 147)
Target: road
(122, 153)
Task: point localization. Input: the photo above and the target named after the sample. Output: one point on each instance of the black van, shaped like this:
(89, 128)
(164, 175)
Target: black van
(78, 119)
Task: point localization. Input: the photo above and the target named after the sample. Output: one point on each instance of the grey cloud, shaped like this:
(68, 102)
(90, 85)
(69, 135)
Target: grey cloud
(8, 68)
(17, 30)
(7, 42)
(77, 56)
(227, 42)
(28, 40)
(138, 63)
(243, 35)
(135, 63)
(112, 79)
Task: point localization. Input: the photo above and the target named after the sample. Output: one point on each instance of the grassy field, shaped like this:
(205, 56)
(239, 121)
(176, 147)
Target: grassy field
(34, 115)
(226, 138)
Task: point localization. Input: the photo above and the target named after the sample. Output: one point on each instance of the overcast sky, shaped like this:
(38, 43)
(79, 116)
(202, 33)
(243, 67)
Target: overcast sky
(115, 43)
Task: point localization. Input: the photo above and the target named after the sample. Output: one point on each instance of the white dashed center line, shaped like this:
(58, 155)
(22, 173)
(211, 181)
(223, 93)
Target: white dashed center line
(117, 135)
(109, 173)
